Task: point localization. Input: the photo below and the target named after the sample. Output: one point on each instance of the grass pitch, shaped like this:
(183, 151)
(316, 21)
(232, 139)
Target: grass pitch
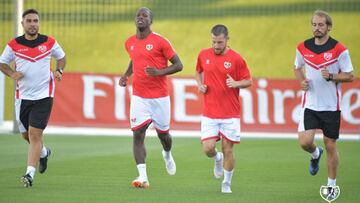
(100, 169)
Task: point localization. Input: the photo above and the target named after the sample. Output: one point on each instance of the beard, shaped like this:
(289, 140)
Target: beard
(32, 32)
(219, 51)
(319, 35)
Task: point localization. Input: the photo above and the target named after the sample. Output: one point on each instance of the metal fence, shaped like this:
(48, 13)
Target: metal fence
(72, 14)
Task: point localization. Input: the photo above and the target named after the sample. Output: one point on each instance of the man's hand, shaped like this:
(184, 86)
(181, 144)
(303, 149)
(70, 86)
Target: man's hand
(123, 80)
(202, 88)
(17, 75)
(304, 84)
(57, 75)
(150, 71)
(230, 82)
(325, 73)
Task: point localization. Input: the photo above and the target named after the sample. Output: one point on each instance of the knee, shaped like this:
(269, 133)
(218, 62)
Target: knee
(305, 145)
(228, 152)
(209, 150)
(330, 148)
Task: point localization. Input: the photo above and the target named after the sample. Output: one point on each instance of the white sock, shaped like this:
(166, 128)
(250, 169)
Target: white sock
(331, 182)
(228, 175)
(31, 171)
(43, 152)
(142, 171)
(316, 153)
(167, 154)
(217, 157)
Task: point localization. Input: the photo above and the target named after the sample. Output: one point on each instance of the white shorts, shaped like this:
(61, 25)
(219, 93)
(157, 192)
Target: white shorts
(228, 129)
(144, 111)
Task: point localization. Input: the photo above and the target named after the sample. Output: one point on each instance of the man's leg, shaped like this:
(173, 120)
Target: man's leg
(25, 136)
(229, 163)
(140, 155)
(166, 141)
(209, 148)
(306, 141)
(34, 136)
(332, 160)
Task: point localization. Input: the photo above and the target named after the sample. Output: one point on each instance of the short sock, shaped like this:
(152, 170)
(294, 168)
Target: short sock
(31, 171)
(228, 175)
(217, 157)
(331, 182)
(142, 172)
(43, 152)
(167, 154)
(316, 153)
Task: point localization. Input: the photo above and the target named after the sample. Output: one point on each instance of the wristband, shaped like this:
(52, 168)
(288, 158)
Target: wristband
(331, 77)
(60, 70)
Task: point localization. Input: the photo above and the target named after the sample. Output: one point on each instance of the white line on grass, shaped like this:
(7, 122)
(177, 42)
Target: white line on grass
(7, 127)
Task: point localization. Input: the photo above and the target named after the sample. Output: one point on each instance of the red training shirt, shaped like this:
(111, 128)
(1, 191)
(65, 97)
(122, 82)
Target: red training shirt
(221, 101)
(153, 51)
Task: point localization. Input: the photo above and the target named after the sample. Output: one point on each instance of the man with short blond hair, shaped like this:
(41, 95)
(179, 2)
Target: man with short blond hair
(321, 65)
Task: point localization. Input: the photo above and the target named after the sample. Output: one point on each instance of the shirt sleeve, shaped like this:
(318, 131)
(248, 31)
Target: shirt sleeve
(345, 62)
(299, 60)
(7, 56)
(244, 73)
(168, 50)
(199, 68)
(57, 52)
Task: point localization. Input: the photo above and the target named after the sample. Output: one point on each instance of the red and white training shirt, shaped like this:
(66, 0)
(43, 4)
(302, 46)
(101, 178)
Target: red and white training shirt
(153, 51)
(322, 95)
(221, 101)
(33, 59)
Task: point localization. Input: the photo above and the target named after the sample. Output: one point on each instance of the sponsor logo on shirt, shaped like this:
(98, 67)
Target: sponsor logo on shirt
(42, 48)
(149, 47)
(23, 50)
(227, 64)
(327, 56)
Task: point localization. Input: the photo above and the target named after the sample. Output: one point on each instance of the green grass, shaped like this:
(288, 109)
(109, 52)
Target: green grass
(100, 169)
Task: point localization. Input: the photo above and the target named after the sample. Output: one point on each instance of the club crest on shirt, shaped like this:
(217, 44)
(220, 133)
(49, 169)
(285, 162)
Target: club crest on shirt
(132, 48)
(42, 48)
(327, 56)
(207, 61)
(227, 64)
(149, 47)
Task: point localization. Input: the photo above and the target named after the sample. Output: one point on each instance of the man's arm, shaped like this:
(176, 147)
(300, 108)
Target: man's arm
(304, 83)
(340, 77)
(231, 83)
(5, 68)
(128, 73)
(60, 66)
(199, 77)
(175, 66)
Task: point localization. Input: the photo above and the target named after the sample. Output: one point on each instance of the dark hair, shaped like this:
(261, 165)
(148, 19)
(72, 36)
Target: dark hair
(30, 11)
(220, 29)
(324, 14)
(148, 10)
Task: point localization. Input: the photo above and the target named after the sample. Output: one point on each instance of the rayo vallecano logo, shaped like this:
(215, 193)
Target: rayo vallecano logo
(327, 56)
(329, 194)
(149, 47)
(227, 64)
(42, 48)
